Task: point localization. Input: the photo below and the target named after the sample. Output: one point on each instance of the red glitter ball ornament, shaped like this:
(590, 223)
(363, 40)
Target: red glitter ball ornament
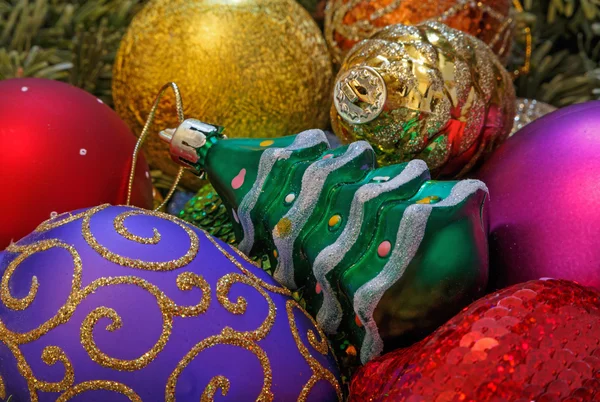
(535, 341)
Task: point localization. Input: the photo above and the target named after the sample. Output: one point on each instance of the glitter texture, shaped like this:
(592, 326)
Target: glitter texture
(347, 22)
(313, 182)
(449, 100)
(529, 110)
(330, 313)
(260, 68)
(85, 335)
(305, 139)
(536, 341)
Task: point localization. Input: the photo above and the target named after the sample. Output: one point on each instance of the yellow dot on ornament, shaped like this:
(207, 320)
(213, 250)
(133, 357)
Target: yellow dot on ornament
(335, 221)
(266, 143)
(275, 253)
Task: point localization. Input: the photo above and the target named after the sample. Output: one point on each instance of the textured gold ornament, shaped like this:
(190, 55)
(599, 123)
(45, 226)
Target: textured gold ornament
(428, 92)
(347, 22)
(260, 68)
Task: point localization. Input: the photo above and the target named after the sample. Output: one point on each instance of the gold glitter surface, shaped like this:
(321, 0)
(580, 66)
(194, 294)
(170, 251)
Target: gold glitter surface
(319, 372)
(347, 22)
(216, 383)
(135, 263)
(97, 385)
(260, 68)
(227, 337)
(2, 389)
(223, 287)
(186, 281)
(449, 100)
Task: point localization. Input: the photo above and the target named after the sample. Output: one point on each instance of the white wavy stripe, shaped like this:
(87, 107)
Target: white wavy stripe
(304, 139)
(313, 181)
(409, 237)
(330, 313)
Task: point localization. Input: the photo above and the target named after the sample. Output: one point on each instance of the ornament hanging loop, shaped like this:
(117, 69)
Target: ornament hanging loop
(144, 134)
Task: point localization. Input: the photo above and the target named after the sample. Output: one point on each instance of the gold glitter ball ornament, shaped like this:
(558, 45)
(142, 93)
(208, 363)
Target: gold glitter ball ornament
(424, 92)
(260, 68)
(349, 21)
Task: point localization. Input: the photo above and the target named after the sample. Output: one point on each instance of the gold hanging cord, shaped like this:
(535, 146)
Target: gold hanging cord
(138, 146)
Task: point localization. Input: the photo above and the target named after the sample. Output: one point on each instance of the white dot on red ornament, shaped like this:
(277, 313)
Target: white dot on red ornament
(83, 152)
(99, 100)
(147, 175)
(53, 214)
(24, 89)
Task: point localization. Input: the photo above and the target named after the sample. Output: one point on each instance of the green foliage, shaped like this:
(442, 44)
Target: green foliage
(565, 62)
(73, 41)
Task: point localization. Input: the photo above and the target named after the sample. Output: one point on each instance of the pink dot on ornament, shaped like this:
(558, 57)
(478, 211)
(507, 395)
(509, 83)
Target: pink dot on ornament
(318, 288)
(384, 249)
(24, 89)
(238, 180)
(99, 100)
(83, 152)
(147, 175)
(328, 156)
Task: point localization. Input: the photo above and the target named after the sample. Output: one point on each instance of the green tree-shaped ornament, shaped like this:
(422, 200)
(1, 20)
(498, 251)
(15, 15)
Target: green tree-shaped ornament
(384, 255)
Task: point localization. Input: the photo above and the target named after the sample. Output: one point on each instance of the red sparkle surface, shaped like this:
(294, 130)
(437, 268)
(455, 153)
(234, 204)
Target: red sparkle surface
(535, 341)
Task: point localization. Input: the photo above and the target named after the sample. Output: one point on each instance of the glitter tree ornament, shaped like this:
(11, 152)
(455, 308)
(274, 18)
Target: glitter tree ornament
(382, 255)
(535, 341)
(347, 22)
(428, 92)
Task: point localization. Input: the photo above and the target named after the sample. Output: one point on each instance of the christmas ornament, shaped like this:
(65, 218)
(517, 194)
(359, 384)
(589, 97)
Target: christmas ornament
(381, 254)
(539, 227)
(260, 67)
(207, 211)
(111, 303)
(60, 149)
(529, 110)
(349, 21)
(427, 92)
(316, 8)
(535, 341)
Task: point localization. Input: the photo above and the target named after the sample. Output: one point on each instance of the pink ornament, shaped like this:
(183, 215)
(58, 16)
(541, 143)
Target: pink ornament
(544, 186)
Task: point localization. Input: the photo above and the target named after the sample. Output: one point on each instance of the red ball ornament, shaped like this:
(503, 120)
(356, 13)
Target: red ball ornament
(61, 149)
(535, 341)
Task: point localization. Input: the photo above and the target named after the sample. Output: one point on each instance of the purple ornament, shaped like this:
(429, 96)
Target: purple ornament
(118, 303)
(545, 200)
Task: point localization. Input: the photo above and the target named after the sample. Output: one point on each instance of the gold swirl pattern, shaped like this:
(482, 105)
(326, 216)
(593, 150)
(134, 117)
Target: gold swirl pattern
(227, 337)
(319, 372)
(123, 231)
(260, 282)
(135, 263)
(185, 281)
(224, 285)
(98, 385)
(216, 383)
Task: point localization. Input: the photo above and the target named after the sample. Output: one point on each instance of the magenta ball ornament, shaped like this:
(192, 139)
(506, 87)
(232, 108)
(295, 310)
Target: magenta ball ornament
(544, 186)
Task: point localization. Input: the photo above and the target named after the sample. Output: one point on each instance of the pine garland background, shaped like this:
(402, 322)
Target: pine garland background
(76, 41)
(565, 63)
(73, 41)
